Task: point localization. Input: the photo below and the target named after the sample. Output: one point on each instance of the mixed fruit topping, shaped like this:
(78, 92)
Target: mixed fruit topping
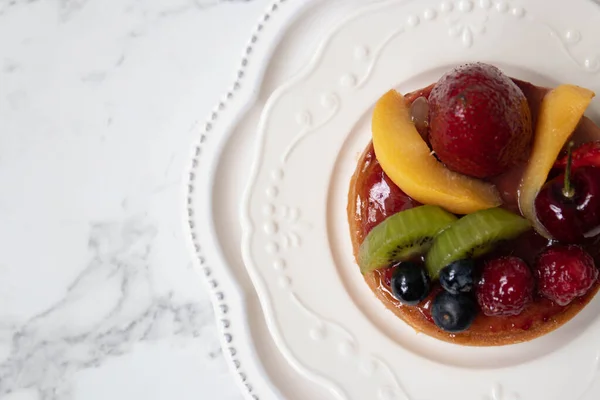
(560, 112)
(440, 216)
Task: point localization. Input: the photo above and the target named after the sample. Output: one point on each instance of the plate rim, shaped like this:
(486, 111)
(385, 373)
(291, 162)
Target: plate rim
(249, 75)
(243, 85)
(291, 81)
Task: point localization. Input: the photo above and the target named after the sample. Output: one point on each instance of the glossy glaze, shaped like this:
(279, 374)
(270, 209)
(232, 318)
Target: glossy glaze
(379, 198)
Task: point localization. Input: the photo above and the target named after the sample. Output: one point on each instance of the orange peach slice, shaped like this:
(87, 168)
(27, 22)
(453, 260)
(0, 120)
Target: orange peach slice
(560, 112)
(407, 160)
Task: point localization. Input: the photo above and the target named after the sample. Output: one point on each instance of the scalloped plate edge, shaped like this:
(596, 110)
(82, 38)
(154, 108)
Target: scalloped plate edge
(222, 286)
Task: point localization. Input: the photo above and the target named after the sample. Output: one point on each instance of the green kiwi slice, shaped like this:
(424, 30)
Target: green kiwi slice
(472, 236)
(402, 236)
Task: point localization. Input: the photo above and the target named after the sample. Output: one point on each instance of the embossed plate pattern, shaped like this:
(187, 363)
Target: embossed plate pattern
(333, 339)
(296, 247)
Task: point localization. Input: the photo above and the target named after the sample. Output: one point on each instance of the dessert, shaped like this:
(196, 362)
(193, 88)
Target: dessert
(474, 212)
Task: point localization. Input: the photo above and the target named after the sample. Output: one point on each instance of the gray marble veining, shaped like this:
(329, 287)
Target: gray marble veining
(96, 104)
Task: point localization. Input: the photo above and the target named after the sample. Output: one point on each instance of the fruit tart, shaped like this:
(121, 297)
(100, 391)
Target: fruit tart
(474, 211)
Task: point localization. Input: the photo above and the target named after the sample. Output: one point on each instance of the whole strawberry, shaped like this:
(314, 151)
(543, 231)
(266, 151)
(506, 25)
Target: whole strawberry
(565, 273)
(480, 122)
(505, 287)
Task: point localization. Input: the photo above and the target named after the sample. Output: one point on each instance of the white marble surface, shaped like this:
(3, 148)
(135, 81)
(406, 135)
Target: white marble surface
(98, 104)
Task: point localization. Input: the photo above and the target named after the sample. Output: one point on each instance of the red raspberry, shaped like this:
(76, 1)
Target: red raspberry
(505, 287)
(565, 273)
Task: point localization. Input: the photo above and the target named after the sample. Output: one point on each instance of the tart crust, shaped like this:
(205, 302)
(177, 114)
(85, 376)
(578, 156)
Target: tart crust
(413, 316)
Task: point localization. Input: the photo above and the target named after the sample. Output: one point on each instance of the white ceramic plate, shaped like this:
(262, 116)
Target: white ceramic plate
(305, 321)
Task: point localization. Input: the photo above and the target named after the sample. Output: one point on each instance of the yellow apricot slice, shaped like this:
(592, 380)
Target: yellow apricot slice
(560, 112)
(407, 160)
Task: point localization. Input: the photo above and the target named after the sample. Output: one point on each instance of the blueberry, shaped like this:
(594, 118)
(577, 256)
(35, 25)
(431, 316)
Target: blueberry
(453, 312)
(457, 277)
(410, 283)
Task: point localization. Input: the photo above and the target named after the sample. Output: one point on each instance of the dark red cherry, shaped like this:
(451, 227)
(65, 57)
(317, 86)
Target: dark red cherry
(569, 217)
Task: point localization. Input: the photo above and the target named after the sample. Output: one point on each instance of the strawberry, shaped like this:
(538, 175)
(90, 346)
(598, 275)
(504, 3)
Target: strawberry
(480, 121)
